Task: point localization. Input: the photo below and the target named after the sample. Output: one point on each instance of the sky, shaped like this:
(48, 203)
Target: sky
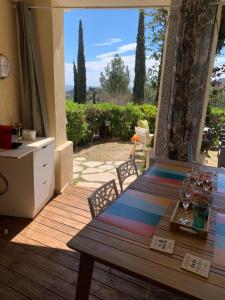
(106, 32)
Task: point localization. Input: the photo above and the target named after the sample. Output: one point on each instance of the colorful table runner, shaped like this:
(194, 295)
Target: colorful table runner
(135, 212)
(166, 173)
(219, 247)
(220, 184)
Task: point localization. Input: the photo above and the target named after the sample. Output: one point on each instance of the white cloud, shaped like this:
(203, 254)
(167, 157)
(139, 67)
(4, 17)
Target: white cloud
(219, 61)
(95, 67)
(120, 50)
(109, 42)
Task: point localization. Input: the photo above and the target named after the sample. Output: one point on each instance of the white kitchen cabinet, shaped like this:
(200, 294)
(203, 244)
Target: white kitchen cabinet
(30, 172)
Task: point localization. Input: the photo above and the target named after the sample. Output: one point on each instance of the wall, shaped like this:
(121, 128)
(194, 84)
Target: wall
(50, 38)
(111, 3)
(10, 86)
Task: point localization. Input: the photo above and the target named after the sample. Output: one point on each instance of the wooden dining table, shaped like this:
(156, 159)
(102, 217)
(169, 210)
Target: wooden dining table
(125, 246)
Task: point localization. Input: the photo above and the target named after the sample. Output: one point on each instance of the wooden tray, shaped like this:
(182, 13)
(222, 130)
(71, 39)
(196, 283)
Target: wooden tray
(175, 224)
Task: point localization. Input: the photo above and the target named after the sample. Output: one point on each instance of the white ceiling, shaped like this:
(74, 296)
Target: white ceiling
(110, 3)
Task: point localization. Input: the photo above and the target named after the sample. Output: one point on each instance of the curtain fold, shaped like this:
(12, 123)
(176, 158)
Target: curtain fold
(33, 102)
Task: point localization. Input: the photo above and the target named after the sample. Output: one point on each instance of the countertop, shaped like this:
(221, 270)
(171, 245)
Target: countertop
(26, 148)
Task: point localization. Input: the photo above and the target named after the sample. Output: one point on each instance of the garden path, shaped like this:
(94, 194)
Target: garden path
(96, 164)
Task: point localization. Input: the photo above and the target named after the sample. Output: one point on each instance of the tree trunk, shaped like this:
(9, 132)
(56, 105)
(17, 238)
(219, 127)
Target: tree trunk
(194, 38)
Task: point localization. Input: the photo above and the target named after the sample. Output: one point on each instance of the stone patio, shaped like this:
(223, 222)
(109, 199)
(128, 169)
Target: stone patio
(96, 164)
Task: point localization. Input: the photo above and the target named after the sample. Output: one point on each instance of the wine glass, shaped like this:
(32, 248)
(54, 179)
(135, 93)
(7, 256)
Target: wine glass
(198, 175)
(188, 188)
(207, 182)
(193, 181)
(185, 202)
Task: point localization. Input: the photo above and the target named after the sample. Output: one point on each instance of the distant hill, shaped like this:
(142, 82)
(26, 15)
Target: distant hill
(68, 88)
(222, 80)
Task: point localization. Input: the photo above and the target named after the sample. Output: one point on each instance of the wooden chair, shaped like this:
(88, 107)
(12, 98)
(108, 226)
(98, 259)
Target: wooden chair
(141, 137)
(126, 170)
(102, 197)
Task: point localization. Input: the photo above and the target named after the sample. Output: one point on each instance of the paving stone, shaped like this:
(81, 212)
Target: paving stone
(130, 179)
(77, 169)
(75, 176)
(99, 177)
(119, 162)
(106, 167)
(93, 164)
(113, 172)
(89, 184)
(91, 171)
(77, 162)
(80, 158)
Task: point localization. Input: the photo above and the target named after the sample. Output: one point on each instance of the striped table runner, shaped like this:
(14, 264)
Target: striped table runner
(136, 212)
(219, 247)
(166, 173)
(220, 184)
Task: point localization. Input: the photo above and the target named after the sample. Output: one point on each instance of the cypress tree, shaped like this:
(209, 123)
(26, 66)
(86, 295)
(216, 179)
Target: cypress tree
(75, 82)
(81, 69)
(139, 78)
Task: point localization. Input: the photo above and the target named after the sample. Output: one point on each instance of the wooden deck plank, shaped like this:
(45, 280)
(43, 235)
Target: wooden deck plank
(35, 262)
(125, 251)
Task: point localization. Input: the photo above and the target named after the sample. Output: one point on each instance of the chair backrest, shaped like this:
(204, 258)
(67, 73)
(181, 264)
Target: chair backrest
(143, 134)
(143, 124)
(102, 197)
(126, 170)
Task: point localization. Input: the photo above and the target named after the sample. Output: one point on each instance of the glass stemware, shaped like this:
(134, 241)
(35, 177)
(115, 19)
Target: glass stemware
(185, 202)
(188, 187)
(207, 182)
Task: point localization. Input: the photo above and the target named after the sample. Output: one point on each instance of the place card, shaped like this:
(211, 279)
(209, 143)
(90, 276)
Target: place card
(196, 265)
(162, 244)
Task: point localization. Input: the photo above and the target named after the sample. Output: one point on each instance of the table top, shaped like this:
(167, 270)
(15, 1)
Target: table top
(26, 148)
(130, 252)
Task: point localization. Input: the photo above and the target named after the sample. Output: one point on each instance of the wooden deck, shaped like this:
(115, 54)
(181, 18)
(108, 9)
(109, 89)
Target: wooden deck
(35, 262)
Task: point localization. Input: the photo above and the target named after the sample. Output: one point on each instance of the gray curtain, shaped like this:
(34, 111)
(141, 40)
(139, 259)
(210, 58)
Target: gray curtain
(34, 109)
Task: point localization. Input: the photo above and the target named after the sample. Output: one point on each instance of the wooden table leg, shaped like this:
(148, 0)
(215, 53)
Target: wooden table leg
(84, 277)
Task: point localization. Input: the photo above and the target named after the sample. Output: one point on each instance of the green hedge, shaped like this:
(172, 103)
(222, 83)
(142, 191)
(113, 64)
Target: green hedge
(215, 119)
(86, 121)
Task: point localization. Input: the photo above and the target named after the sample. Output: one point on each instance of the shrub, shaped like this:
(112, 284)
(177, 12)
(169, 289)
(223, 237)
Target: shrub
(85, 121)
(215, 119)
(150, 112)
(77, 127)
(130, 114)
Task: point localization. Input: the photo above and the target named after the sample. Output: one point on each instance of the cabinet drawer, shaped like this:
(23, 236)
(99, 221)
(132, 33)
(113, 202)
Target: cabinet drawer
(47, 170)
(43, 186)
(44, 156)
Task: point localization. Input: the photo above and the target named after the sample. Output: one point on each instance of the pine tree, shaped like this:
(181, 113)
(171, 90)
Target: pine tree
(116, 78)
(139, 79)
(75, 82)
(81, 69)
